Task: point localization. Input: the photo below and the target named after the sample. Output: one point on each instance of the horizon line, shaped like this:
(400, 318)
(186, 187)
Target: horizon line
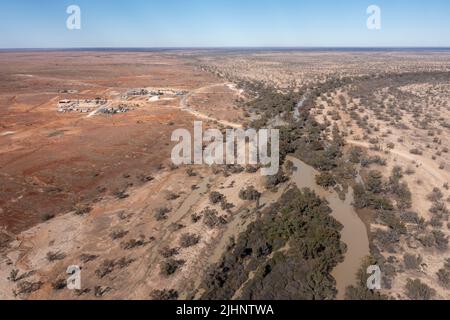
(224, 48)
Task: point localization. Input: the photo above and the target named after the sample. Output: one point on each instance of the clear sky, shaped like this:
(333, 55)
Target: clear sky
(218, 23)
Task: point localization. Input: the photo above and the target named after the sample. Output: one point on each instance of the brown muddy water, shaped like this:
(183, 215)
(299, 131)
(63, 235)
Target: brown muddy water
(354, 233)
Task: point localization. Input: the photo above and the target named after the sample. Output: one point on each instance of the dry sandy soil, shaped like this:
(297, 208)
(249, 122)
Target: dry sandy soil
(51, 162)
(86, 190)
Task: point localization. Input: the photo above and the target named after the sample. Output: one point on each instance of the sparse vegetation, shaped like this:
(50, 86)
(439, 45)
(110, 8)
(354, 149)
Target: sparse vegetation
(188, 240)
(167, 252)
(300, 218)
(417, 290)
(250, 193)
(326, 180)
(133, 243)
(211, 218)
(27, 287)
(55, 256)
(412, 261)
(118, 234)
(170, 266)
(161, 213)
(163, 295)
(216, 197)
(59, 284)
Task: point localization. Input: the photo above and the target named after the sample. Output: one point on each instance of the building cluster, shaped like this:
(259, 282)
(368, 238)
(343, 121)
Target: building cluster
(83, 106)
(153, 93)
(121, 108)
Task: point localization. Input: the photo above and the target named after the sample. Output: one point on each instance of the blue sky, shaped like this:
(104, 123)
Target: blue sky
(216, 23)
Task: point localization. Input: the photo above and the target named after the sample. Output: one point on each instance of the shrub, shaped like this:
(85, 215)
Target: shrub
(47, 217)
(216, 197)
(172, 196)
(362, 294)
(143, 178)
(211, 219)
(161, 213)
(276, 179)
(250, 193)
(412, 262)
(410, 217)
(108, 266)
(444, 278)
(416, 290)
(27, 287)
(427, 240)
(234, 169)
(325, 180)
(441, 241)
(167, 252)
(225, 205)
(191, 173)
(100, 291)
(435, 195)
(436, 222)
(163, 295)
(118, 234)
(400, 189)
(123, 262)
(416, 151)
(170, 266)
(81, 210)
(387, 238)
(188, 240)
(367, 199)
(120, 194)
(375, 182)
(397, 174)
(85, 258)
(133, 243)
(105, 268)
(251, 169)
(289, 165)
(81, 292)
(355, 155)
(15, 277)
(373, 160)
(59, 284)
(55, 256)
(195, 218)
(361, 201)
(392, 221)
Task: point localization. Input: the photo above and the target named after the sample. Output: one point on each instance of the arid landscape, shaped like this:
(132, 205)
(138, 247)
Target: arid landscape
(86, 177)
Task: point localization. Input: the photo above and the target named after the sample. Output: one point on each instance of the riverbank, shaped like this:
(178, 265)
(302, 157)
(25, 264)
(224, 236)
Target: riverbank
(354, 234)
